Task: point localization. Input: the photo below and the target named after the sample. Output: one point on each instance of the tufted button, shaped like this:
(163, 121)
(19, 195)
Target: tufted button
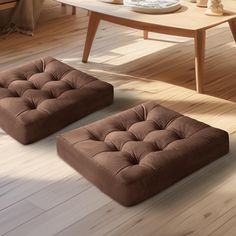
(71, 86)
(131, 159)
(53, 78)
(51, 95)
(156, 147)
(134, 161)
(180, 137)
(114, 148)
(32, 106)
(93, 137)
(158, 127)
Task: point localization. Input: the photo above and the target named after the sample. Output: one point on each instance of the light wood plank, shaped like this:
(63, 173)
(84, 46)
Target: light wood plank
(58, 192)
(62, 216)
(7, 5)
(16, 215)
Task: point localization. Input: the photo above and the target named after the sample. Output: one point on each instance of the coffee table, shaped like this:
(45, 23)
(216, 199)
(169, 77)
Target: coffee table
(189, 21)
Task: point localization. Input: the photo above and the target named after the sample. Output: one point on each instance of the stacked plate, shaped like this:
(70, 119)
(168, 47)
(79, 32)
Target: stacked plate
(153, 6)
(113, 1)
(149, 6)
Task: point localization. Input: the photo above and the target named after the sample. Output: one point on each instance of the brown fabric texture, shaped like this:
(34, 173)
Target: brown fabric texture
(22, 18)
(44, 96)
(137, 153)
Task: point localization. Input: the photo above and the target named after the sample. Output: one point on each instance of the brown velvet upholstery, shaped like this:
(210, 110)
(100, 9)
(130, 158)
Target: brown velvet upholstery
(139, 152)
(42, 97)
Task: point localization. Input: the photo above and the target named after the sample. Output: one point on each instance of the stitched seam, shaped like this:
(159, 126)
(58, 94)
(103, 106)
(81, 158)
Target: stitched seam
(121, 169)
(83, 128)
(144, 112)
(99, 139)
(43, 64)
(176, 131)
(142, 118)
(125, 143)
(187, 137)
(155, 106)
(147, 166)
(39, 71)
(67, 72)
(85, 85)
(21, 113)
(92, 157)
(80, 141)
(95, 162)
(172, 120)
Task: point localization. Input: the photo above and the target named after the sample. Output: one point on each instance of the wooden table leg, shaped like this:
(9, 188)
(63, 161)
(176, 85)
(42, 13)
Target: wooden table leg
(145, 34)
(73, 10)
(94, 20)
(200, 44)
(232, 25)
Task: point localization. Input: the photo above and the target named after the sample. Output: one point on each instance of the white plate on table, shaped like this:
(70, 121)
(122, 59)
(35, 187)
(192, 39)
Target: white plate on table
(113, 1)
(154, 6)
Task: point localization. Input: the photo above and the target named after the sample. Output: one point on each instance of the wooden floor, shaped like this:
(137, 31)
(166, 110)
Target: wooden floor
(41, 195)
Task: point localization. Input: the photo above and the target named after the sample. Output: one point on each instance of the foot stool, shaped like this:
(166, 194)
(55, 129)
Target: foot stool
(44, 96)
(139, 152)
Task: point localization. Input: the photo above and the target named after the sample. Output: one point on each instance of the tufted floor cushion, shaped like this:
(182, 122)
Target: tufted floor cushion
(44, 96)
(139, 152)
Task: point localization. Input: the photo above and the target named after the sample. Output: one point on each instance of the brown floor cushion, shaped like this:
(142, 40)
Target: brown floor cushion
(44, 96)
(137, 153)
